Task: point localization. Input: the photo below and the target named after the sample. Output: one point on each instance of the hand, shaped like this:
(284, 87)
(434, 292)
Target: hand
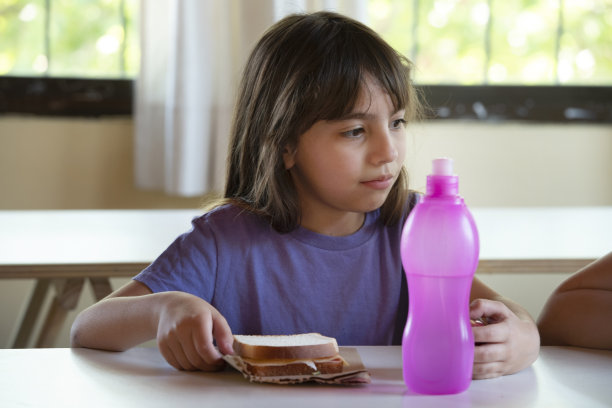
(506, 344)
(186, 328)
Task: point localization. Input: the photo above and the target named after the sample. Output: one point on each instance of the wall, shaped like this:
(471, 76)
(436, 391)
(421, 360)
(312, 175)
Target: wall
(519, 165)
(77, 163)
(87, 163)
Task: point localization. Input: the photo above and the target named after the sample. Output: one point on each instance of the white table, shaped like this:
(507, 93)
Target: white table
(561, 377)
(542, 239)
(64, 249)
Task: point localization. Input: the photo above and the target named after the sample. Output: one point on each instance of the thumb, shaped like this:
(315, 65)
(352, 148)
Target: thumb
(478, 308)
(223, 335)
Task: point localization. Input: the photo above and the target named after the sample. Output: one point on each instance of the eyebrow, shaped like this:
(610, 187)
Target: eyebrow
(358, 115)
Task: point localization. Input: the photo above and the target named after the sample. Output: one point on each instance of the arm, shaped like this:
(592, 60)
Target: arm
(509, 342)
(579, 311)
(184, 326)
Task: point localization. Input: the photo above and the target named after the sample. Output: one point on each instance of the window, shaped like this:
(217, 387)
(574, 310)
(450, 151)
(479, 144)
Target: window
(68, 57)
(68, 38)
(537, 60)
(518, 42)
(544, 60)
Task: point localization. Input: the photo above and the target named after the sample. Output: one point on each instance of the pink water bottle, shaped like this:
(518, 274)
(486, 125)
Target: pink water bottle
(439, 249)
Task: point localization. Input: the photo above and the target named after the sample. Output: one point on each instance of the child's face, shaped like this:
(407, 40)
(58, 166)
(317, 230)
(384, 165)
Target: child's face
(346, 167)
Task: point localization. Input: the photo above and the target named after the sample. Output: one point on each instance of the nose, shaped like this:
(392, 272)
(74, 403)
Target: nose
(383, 148)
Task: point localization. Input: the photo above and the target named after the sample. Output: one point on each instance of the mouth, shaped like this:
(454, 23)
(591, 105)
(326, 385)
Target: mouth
(380, 183)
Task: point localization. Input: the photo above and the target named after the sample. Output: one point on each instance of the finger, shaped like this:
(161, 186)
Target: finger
(203, 341)
(483, 371)
(168, 355)
(179, 355)
(490, 353)
(491, 333)
(188, 346)
(223, 335)
(204, 365)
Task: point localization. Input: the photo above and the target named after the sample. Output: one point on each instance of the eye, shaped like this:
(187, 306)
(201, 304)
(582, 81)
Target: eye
(398, 124)
(353, 133)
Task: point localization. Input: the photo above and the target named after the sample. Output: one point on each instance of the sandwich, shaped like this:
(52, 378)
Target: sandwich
(309, 354)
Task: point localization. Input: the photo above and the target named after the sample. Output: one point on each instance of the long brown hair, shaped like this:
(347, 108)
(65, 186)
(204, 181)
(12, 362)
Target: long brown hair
(306, 68)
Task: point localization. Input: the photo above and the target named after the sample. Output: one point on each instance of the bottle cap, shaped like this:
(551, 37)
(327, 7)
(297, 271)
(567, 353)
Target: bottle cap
(442, 181)
(443, 166)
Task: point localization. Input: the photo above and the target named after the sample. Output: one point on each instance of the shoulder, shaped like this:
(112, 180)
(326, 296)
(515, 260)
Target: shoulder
(230, 219)
(225, 212)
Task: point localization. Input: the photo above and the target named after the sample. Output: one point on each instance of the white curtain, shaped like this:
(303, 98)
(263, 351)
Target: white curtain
(192, 55)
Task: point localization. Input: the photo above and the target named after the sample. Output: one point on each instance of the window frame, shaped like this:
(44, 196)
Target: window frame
(70, 97)
(531, 103)
(82, 97)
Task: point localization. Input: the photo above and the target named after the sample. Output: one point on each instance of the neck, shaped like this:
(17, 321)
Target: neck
(333, 225)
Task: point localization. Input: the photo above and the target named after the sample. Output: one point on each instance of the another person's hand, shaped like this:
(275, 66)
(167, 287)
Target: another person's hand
(186, 330)
(505, 344)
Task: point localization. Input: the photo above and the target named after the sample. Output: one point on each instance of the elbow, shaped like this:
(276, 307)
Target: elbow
(80, 333)
(76, 335)
(81, 337)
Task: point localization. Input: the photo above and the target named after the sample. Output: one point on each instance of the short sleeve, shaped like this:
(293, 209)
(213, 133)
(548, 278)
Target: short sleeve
(189, 264)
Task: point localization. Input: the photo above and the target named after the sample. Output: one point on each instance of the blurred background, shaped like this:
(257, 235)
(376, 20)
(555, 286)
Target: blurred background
(465, 42)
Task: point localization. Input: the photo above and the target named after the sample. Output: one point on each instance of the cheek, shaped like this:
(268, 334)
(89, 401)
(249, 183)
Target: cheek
(317, 168)
(334, 159)
(400, 146)
(334, 170)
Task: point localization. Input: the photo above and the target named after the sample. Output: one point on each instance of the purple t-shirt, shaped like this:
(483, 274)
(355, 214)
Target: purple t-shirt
(264, 282)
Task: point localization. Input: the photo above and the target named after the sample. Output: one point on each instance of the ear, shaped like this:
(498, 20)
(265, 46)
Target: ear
(289, 157)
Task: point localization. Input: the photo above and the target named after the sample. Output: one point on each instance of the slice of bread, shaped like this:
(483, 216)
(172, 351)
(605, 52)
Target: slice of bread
(296, 346)
(288, 355)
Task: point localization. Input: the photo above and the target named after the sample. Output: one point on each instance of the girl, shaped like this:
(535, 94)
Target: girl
(307, 238)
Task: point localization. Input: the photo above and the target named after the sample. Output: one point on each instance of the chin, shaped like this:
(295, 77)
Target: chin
(374, 204)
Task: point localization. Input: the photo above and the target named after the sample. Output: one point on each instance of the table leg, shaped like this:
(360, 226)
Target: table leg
(29, 319)
(100, 287)
(66, 299)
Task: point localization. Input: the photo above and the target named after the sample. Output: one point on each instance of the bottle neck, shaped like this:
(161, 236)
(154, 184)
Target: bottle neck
(442, 186)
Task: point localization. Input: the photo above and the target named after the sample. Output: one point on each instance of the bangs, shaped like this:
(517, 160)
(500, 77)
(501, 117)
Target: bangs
(343, 68)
